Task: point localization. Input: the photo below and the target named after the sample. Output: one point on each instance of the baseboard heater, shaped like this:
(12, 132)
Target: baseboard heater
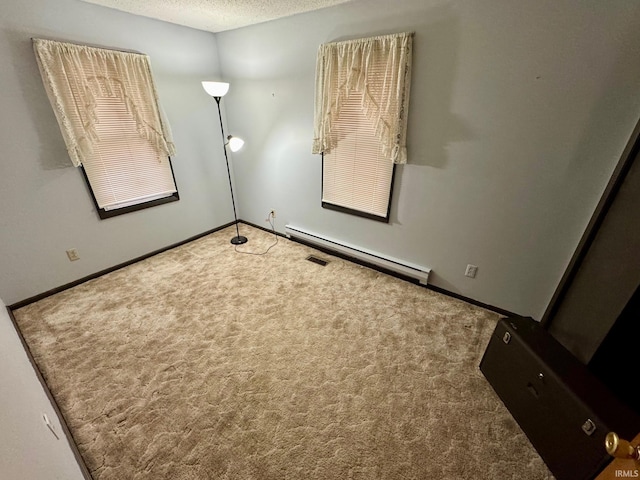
(418, 272)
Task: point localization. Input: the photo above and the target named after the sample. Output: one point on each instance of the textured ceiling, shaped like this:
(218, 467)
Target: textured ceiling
(216, 15)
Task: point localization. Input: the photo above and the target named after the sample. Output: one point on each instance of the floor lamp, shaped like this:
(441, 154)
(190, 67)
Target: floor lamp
(218, 90)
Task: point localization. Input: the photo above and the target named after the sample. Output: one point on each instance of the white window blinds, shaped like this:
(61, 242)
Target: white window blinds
(106, 105)
(125, 168)
(355, 174)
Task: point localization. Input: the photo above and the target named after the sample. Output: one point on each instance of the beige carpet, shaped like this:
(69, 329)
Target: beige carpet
(202, 363)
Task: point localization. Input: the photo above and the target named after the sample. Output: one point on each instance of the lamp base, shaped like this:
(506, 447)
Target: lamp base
(239, 240)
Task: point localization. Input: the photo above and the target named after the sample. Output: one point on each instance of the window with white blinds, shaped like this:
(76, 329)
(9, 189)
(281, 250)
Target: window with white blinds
(355, 175)
(360, 121)
(107, 109)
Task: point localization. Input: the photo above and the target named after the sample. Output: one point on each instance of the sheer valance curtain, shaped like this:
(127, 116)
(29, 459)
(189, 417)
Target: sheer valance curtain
(380, 69)
(76, 76)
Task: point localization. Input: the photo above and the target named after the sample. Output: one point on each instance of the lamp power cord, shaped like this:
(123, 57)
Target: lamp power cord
(271, 220)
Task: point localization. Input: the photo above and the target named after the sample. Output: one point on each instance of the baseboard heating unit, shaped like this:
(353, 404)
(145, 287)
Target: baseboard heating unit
(418, 272)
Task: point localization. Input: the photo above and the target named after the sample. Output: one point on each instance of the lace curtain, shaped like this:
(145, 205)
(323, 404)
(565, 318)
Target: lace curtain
(76, 76)
(380, 69)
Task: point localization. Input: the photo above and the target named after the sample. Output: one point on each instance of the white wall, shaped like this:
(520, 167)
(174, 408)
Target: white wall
(28, 449)
(45, 208)
(518, 115)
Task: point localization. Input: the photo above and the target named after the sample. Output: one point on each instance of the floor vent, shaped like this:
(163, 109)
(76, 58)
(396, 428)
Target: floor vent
(317, 260)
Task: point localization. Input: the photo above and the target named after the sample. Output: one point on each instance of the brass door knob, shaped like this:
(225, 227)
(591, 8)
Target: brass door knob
(619, 448)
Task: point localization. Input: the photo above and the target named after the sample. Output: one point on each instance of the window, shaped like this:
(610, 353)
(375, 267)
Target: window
(107, 109)
(362, 96)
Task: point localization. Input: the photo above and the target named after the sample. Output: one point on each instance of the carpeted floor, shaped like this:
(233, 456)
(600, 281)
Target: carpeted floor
(202, 363)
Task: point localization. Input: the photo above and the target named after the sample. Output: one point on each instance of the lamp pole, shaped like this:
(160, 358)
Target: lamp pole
(238, 239)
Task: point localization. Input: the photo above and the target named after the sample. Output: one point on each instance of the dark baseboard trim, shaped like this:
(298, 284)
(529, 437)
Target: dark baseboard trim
(344, 256)
(268, 230)
(53, 291)
(329, 251)
(63, 423)
(486, 306)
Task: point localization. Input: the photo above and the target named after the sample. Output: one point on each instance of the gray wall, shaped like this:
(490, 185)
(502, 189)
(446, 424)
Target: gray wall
(28, 449)
(45, 208)
(518, 115)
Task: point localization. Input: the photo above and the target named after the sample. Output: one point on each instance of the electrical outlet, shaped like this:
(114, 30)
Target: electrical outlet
(471, 271)
(72, 253)
(271, 217)
(50, 426)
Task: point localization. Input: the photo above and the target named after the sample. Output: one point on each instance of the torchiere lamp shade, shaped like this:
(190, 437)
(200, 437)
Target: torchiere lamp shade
(216, 89)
